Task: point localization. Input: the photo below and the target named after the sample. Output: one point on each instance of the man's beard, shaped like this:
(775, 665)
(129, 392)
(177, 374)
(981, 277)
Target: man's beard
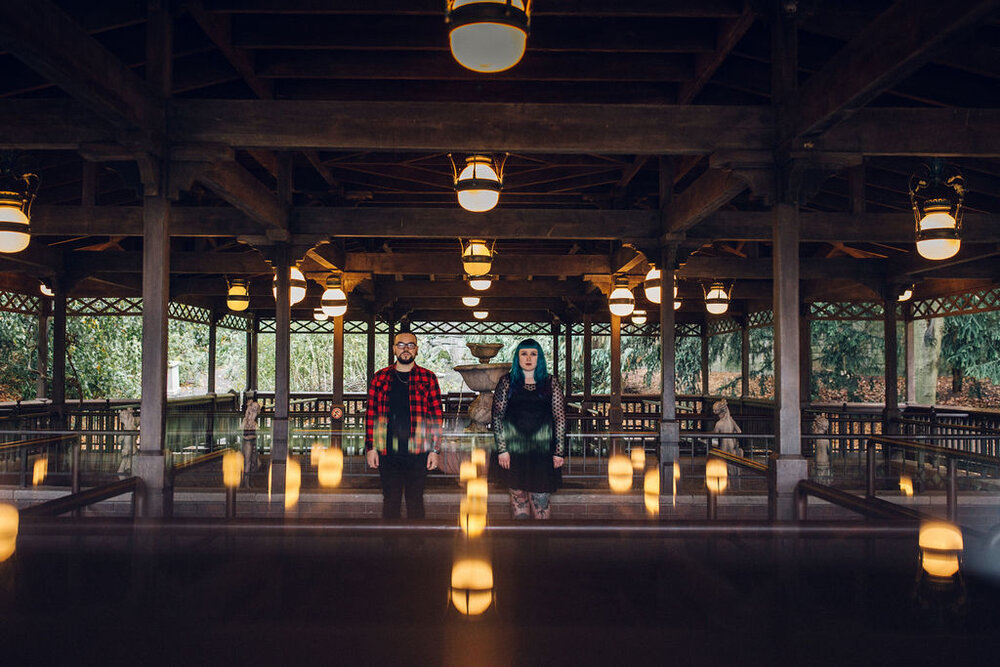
(400, 359)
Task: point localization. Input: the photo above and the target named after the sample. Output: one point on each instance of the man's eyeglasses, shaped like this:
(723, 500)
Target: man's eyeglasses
(406, 346)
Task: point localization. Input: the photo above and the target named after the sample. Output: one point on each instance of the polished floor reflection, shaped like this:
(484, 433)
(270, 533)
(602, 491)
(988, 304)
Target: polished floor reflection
(270, 596)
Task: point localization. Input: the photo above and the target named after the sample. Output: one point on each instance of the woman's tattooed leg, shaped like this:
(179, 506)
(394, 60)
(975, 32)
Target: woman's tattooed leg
(519, 504)
(540, 505)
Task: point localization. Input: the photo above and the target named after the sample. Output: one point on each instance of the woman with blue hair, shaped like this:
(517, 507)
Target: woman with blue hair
(529, 422)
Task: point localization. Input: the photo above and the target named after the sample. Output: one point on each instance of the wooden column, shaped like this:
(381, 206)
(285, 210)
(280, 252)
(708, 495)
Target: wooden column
(555, 348)
(615, 415)
(744, 358)
(251, 379)
(59, 286)
(791, 466)
(704, 359)
(212, 331)
(337, 425)
(282, 363)
(568, 381)
(42, 383)
(669, 428)
(890, 414)
(151, 464)
(371, 346)
(392, 335)
(588, 349)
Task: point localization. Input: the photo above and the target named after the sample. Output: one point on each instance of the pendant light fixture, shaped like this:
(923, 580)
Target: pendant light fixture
(296, 286)
(470, 301)
(621, 302)
(477, 257)
(480, 283)
(479, 183)
(639, 317)
(652, 284)
(237, 294)
(906, 295)
(717, 298)
(677, 302)
(45, 290)
(334, 300)
(17, 192)
(488, 35)
(480, 314)
(937, 194)
(319, 315)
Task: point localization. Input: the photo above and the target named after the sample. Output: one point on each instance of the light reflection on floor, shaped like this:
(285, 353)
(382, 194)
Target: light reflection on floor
(293, 599)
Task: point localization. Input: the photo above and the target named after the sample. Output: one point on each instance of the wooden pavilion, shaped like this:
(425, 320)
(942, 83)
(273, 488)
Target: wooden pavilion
(766, 144)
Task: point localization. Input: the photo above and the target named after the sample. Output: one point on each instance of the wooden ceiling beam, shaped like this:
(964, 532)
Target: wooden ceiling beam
(711, 191)
(708, 268)
(91, 263)
(511, 289)
(914, 132)
(731, 31)
(451, 264)
(240, 188)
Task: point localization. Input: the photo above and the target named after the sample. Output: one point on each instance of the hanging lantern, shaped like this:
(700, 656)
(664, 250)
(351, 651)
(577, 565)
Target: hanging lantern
(319, 315)
(937, 193)
(906, 295)
(480, 283)
(232, 468)
(652, 284)
(334, 300)
(479, 184)
(45, 290)
(621, 302)
(471, 586)
(677, 304)
(639, 317)
(619, 473)
(238, 294)
(296, 286)
(480, 314)
(717, 298)
(16, 195)
(331, 467)
(488, 35)
(940, 545)
(470, 301)
(716, 475)
(477, 258)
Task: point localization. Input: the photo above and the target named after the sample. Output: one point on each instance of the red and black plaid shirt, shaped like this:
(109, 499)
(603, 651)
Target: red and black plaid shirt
(426, 413)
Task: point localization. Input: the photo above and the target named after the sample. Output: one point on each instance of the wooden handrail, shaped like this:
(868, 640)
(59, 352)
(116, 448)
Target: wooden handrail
(47, 440)
(80, 500)
(937, 450)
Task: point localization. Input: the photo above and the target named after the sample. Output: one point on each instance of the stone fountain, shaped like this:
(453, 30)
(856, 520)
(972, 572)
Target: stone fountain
(482, 378)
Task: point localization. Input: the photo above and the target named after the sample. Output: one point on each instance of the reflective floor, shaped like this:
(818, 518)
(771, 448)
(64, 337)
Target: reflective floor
(263, 597)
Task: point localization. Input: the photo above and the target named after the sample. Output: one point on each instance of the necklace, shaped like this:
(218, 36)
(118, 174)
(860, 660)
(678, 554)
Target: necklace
(400, 377)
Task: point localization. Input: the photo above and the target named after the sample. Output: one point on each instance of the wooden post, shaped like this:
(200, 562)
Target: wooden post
(42, 383)
(555, 348)
(588, 348)
(569, 360)
(392, 335)
(337, 425)
(252, 379)
(212, 331)
(371, 346)
(282, 362)
(615, 415)
(890, 414)
(744, 357)
(59, 286)
(704, 359)
(791, 466)
(669, 428)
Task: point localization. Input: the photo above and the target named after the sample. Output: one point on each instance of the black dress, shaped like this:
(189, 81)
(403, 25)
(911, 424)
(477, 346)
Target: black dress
(529, 423)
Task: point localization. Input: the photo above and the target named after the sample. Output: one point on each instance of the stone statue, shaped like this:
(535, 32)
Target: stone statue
(821, 467)
(251, 460)
(726, 424)
(126, 441)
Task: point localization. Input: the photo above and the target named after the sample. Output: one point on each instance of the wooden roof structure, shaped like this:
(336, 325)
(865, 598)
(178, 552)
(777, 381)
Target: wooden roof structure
(633, 127)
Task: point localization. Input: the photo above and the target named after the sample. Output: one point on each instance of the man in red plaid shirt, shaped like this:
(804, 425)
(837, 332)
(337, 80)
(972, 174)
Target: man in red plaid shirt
(403, 429)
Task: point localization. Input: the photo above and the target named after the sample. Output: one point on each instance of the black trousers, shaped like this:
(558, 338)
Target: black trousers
(403, 474)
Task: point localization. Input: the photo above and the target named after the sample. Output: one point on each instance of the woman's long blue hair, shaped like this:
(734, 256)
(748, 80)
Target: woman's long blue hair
(541, 370)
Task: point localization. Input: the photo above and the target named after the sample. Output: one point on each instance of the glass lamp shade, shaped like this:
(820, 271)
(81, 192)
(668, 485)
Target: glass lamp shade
(238, 295)
(621, 302)
(296, 286)
(906, 295)
(937, 232)
(677, 304)
(652, 284)
(480, 283)
(620, 473)
(940, 544)
(480, 314)
(488, 35)
(639, 317)
(472, 586)
(470, 301)
(45, 290)
(717, 300)
(477, 258)
(334, 300)
(716, 475)
(14, 231)
(319, 315)
(478, 186)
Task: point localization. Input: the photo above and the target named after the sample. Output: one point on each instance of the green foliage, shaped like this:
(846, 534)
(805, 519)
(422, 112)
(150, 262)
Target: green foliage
(848, 353)
(18, 356)
(103, 357)
(971, 344)
(687, 364)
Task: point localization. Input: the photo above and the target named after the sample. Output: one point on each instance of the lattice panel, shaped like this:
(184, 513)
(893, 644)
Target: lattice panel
(13, 302)
(235, 322)
(359, 327)
(723, 325)
(182, 311)
(104, 306)
(843, 310)
(687, 329)
(536, 329)
(759, 319)
(958, 304)
(312, 327)
(647, 330)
